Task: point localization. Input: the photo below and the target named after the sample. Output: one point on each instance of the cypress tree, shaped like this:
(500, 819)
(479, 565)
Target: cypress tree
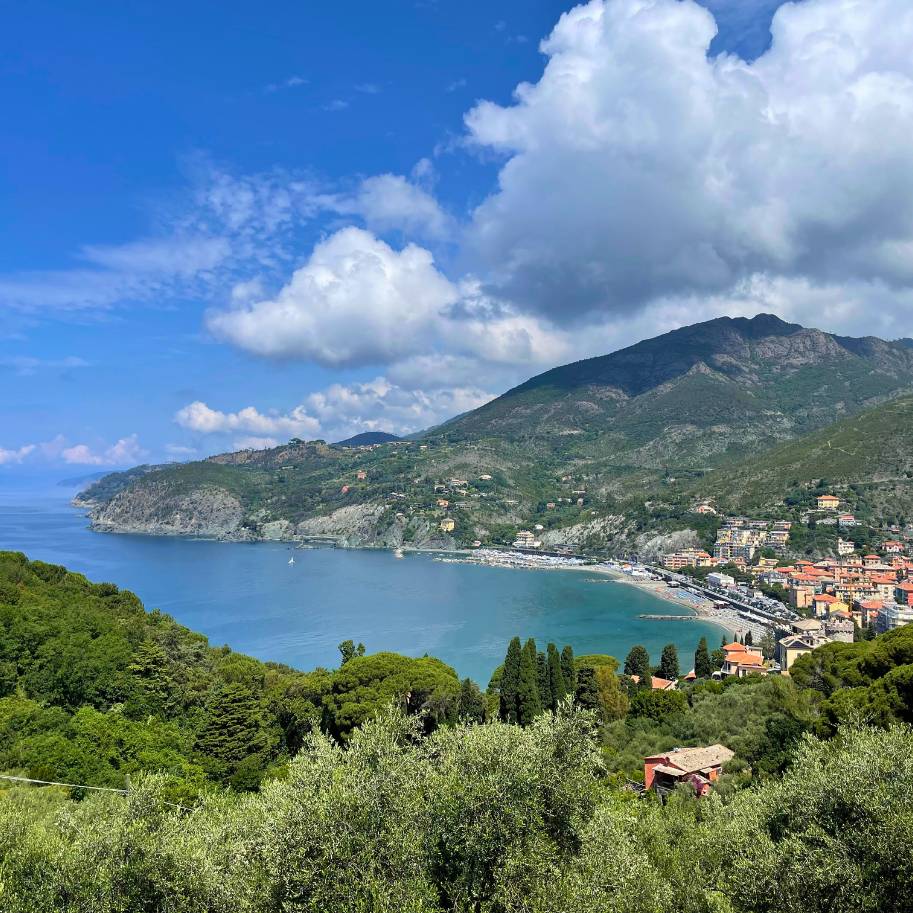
(510, 682)
(568, 669)
(637, 662)
(529, 703)
(702, 667)
(749, 639)
(668, 664)
(586, 693)
(557, 688)
(542, 679)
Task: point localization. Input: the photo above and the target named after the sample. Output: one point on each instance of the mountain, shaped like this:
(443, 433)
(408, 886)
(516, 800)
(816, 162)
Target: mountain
(368, 439)
(865, 459)
(712, 390)
(603, 452)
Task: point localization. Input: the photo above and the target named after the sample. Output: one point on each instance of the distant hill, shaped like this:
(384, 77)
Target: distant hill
(367, 438)
(602, 453)
(82, 481)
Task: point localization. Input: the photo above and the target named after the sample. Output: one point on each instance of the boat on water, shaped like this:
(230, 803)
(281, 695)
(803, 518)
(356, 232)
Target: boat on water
(291, 560)
(398, 553)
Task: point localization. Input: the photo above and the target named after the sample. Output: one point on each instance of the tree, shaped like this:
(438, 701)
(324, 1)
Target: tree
(768, 645)
(668, 663)
(472, 704)
(569, 668)
(637, 662)
(556, 685)
(349, 651)
(702, 665)
(235, 730)
(367, 684)
(510, 682)
(613, 701)
(658, 705)
(542, 679)
(749, 639)
(586, 694)
(529, 702)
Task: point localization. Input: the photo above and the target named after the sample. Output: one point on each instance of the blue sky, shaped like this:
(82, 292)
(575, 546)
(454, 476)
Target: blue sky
(228, 223)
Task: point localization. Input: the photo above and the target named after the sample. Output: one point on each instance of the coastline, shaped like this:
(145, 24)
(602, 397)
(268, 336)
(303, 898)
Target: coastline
(727, 620)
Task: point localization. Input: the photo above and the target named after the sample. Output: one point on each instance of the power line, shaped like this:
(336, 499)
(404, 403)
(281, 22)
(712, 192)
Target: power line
(107, 789)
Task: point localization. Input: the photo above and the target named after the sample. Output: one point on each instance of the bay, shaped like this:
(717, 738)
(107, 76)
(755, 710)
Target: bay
(247, 596)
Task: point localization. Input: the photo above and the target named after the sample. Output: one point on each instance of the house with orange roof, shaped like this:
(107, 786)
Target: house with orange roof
(903, 593)
(893, 547)
(828, 502)
(698, 767)
(868, 611)
(742, 661)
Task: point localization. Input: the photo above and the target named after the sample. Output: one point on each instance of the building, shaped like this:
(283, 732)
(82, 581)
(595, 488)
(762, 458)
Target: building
(845, 548)
(525, 539)
(894, 548)
(893, 616)
(447, 525)
(721, 580)
(828, 502)
(846, 520)
(705, 509)
(808, 633)
(443, 502)
(699, 767)
(361, 475)
(687, 557)
(840, 628)
(657, 683)
(903, 593)
(741, 660)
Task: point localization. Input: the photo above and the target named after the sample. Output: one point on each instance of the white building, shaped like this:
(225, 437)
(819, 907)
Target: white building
(893, 615)
(720, 580)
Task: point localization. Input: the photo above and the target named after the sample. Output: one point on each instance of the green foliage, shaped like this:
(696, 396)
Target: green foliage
(366, 684)
(569, 668)
(472, 703)
(490, 817)
(557, 688)
(529, 701)
(703, 667)
(668, 663)
(637, 662)
(870, 680)
(510, 682)
(658, 705)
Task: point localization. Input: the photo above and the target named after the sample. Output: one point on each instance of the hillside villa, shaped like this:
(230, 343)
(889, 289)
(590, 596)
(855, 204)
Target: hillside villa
(698, 767)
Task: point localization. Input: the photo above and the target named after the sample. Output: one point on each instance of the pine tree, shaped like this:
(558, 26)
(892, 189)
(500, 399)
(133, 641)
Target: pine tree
(668, 663)
(568, 669)
(510, 682)
(702, 667)
(557, 687)
(586, 694)
(529, 703)
(637, 662)
(472, 704)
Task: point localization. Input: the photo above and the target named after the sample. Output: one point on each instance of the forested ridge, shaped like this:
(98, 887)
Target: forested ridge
(388, 784)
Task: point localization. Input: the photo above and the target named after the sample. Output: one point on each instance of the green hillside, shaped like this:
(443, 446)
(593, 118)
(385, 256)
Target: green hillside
(612, 443)
(866, 459)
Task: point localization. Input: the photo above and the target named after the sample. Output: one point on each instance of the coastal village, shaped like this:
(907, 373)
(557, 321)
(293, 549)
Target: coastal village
(805, 603)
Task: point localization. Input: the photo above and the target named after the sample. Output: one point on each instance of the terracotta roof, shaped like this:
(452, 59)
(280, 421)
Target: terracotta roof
(747, 659)
(691, 760)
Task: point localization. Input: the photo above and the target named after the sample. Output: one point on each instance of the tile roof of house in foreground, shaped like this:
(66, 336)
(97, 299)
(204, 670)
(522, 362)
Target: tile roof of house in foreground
(691, 760)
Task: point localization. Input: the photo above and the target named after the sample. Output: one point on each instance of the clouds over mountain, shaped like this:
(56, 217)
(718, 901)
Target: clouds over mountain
(638, 168)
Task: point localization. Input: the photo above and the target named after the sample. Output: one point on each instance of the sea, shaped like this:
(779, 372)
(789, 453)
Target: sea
(248, 596)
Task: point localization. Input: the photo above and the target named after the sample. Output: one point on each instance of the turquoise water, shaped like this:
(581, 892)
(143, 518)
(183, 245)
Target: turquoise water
(247, 596)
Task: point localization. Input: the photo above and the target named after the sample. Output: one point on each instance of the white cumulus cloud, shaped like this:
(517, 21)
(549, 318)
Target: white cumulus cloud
(197, 416)
(637, 167)
(125, 452)
(15, 456)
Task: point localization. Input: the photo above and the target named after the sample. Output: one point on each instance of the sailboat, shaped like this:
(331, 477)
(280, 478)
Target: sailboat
(291, 560)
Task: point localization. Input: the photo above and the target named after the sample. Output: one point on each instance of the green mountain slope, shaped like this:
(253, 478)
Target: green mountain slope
(866, 459)
(582, 451)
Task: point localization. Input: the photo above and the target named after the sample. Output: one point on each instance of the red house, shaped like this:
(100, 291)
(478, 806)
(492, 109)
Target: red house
(697, 766)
